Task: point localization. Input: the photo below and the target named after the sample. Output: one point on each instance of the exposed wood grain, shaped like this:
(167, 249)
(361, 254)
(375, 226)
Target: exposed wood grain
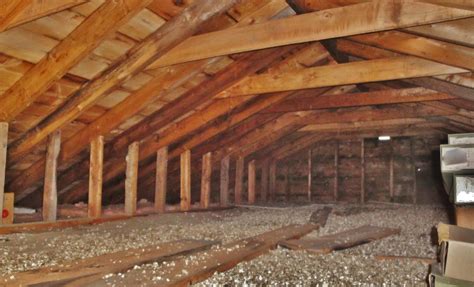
(206, 180)
(95, 177)
(224, 181)
(185, 190)
(50, 192)
(131, 181)
(3, 158)
(239, 180)
(161, 178)
(251, 182)
(79, 43)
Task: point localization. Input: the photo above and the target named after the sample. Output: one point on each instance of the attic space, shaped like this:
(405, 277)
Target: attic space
(237, 143)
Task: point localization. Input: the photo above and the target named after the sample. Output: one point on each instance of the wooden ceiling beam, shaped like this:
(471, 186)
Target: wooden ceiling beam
(153, 47)
(390, 96)
(79, 43)
(17, 12)
(342, 21)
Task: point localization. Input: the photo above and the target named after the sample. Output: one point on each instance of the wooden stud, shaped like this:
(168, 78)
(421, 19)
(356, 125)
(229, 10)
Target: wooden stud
(224, 181)
(239, 179)
(310, 174)
(391, 175)
(287, 182)
(3, 159)
(362, 170)
(186, 180)
(272, 180)
(50, 192)
(131, 180)
(8, 206)
(206, 180)
(413, 163)
(95, 177)
(251, 182)
(161, 178)
(336, 171)
(264, 181)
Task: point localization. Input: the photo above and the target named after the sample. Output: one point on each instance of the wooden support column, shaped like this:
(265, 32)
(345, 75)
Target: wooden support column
(3, 160)
(362, 170)
(95, 177)
(224, 183)
(161, 178)
(336, 171)
(310, 174)
(391, 175)
(272, 179)
(264, 181)
(186, 180)
(413, 163)
(251, 182)
(50, 191)
(287, 182)
(206, 180)
(239, 179)
(131, 180)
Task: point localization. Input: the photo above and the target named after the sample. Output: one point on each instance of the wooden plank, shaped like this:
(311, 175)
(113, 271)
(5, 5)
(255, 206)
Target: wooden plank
(362, 170)
(310, 175)
(50, 192)
(239, 180)
(251, 182)
(336, 171)
(8, 209)
(161, 178)
(228, 255)
(206, 180)
(342, 240)
(95, 177)
(264, 181)
(17, 12)
(339, 22)
(272, 180)
(150, 49)
(90, 270)
(341, 74)
(185, 190)
(224, 181)
(131, 181)
(79, 43)
(3, 158)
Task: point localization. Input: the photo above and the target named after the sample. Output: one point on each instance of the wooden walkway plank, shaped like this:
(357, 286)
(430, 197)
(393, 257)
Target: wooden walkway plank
(341, 240)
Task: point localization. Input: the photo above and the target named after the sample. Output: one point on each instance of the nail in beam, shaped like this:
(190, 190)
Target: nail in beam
(3, 160)
(50, 192)
(206, 180)
(239, 179)
(95, 177)
(161, 179)
(251, 182)
(224, 186)
(186, 180)
(131, 179)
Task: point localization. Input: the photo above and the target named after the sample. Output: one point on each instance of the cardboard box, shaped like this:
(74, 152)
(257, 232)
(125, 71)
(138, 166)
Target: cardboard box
(457, 260)
(437, 279)
(448, 232)
(467, 138)
(455, 158)
(463, 189)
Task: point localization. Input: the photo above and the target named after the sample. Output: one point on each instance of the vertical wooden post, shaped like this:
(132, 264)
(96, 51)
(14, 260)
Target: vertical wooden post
(239, 180)
(161, 179)
(264, 181)
(206, 180)
(131, 179)
(272, 179)
(310, 174)
(287, 182)
(336, 171)
(362, 171)
(95, 177)
(186, 180)
(50, 192)
(413, 162)
(251, 182)
(224, 183)
(391, 175)
(3, 160)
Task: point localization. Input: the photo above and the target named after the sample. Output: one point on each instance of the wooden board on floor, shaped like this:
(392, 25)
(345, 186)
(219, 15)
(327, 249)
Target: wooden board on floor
(341, 240)
(86, 271)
